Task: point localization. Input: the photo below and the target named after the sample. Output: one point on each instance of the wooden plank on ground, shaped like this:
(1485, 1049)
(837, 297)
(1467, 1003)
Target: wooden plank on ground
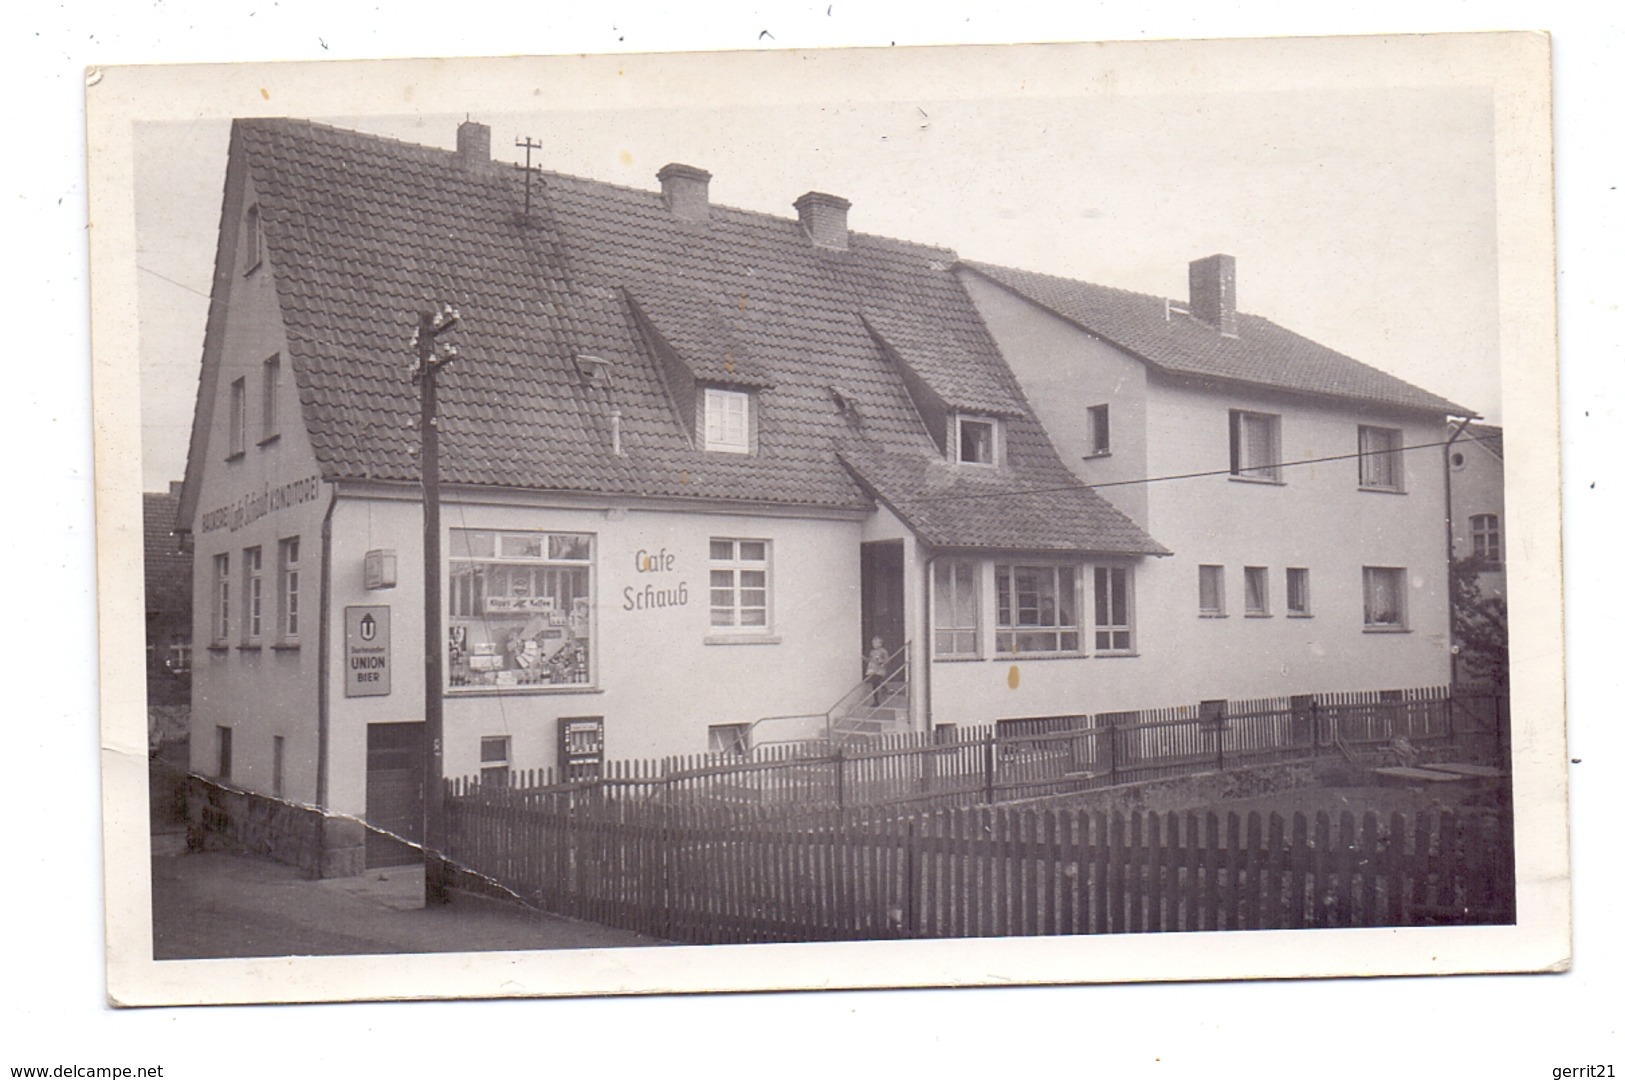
(1484, 772)
(1407, 774)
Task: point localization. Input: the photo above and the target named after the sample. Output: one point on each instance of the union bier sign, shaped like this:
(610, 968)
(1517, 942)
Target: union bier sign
(366, 650)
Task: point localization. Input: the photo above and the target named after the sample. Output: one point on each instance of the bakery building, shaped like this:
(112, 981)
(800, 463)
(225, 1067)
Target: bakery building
(709, 479)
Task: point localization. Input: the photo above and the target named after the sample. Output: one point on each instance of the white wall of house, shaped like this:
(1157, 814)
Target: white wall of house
(1065, 372)
(1316, 518)
(661, 674)
(260, 686)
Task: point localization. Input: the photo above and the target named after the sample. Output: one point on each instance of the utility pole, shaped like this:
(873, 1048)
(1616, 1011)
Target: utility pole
(432, 355)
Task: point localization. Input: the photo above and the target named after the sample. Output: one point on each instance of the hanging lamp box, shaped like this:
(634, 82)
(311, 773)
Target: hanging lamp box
(380, 568)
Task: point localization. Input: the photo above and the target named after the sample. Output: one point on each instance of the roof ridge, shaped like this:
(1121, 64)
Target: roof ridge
(1247, 357)
(981, 266)
(749, 214)
(426, 150)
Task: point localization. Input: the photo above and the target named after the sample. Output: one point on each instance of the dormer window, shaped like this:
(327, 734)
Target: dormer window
(727, 421)
(977, 440)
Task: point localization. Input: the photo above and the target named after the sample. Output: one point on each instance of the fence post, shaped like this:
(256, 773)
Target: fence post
(990, 759)
(840, 775)
(1314, 728)
(1111, 746)
(911, 919)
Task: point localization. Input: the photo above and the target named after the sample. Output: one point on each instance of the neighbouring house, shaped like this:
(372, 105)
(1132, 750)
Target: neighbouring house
(1478, 503)
(168, 581)
(695, 462)
(1476, 482)
(1301, 492)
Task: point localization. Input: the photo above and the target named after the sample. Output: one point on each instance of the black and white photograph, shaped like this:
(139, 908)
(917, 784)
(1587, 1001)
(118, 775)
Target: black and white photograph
(1036, 514)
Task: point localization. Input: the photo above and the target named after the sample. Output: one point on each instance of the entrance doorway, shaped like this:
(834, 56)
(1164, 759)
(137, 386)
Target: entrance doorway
(881, 583)
(394, 793)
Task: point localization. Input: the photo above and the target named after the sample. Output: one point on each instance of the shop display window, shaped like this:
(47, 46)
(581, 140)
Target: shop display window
(520, 612)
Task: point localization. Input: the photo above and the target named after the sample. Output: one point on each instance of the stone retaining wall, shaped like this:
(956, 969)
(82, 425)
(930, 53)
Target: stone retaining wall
(320, 845)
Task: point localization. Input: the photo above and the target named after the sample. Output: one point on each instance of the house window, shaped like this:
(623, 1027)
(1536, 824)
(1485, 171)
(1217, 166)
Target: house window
(1100, 430)
(494, 761)
(739, 571)
(977, 440)
(1255, 446)
(278, 756)
(1113, 631)
(253, 595)
(270, 382)
(220, 615)
(953, 608)
(1038, 609)
(728, 740)
(253, 239)
(520, 611)
(1297, 591)
(288, 589)
(1381, 461)
(239, 416)
(222, 747)
(179, 661)
(1384, 598)
(1486, 530)
(1210, 591)
(727, 421)
(1256, 581)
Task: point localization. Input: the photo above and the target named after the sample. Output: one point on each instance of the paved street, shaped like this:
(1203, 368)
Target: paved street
(219, 904)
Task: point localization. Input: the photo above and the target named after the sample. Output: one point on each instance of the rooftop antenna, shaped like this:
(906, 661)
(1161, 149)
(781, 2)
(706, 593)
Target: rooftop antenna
(529, 146)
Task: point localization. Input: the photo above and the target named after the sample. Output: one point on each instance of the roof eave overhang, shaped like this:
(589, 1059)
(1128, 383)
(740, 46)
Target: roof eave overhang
(1443, 409)
(411, 491)
(1029, 551)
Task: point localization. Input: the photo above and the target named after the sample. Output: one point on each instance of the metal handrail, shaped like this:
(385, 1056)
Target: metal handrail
(897, 678)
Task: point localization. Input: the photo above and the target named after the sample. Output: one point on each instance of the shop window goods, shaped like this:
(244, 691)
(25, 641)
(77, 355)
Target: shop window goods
(520, 610)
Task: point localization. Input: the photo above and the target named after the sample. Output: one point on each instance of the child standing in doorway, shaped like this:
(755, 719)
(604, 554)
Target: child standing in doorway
(875, 668)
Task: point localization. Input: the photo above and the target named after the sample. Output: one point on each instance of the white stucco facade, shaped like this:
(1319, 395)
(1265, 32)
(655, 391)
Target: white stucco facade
(1315, 519)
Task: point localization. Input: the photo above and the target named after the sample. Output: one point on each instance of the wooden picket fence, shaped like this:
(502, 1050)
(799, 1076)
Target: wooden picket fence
(707, 876)
(904, 836)
(1016, 758)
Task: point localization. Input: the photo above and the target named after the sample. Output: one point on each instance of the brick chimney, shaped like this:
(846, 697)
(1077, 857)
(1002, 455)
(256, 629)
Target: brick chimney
(824, 219)
(1213, 292)
(473, 143)
(687, 191)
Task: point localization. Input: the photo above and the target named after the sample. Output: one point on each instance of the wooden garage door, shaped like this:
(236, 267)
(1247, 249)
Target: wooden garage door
(394, 792)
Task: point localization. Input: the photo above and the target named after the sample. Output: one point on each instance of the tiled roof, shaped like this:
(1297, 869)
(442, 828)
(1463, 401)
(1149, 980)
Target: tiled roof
(168, 569)
(1262, 353)
(955, 507)
(702, 331)
(952, 369)
(362, 231)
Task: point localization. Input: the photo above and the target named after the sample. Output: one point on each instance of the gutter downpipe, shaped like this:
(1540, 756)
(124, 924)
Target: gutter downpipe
(926, 636)
(324, 666)
(1450, 549)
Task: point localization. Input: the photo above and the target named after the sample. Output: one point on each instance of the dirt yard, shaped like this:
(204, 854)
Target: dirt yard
(1360, 796)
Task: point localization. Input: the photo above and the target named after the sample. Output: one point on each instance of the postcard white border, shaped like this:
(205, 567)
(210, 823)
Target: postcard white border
(1516, 65)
